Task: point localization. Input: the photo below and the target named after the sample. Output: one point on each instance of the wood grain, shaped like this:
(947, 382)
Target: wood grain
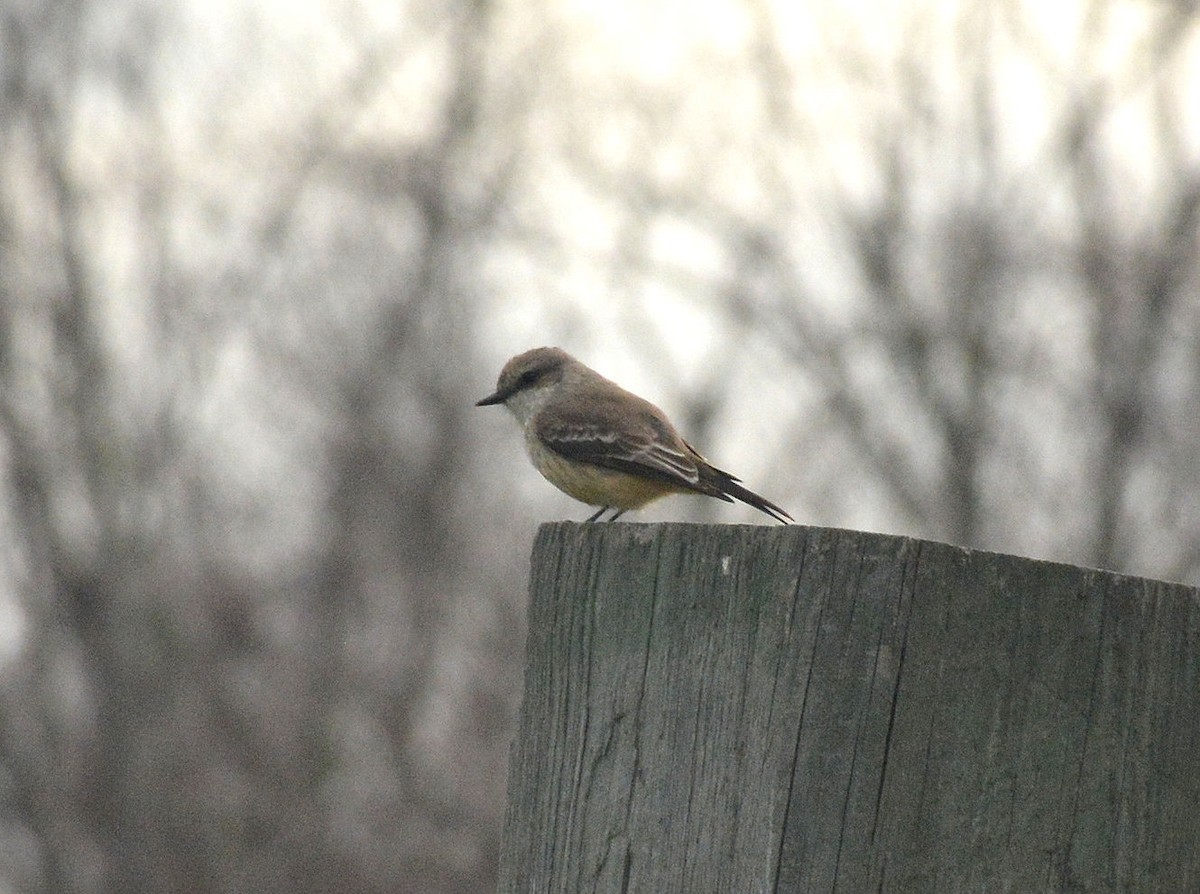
(792, 709)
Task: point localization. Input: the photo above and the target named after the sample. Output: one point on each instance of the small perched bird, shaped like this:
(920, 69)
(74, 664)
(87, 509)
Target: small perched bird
(598, 443)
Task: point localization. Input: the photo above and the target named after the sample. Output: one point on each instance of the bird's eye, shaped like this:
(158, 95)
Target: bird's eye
(528, 377)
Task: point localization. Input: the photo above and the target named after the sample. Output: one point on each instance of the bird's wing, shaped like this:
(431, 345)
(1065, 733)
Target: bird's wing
(629, 435)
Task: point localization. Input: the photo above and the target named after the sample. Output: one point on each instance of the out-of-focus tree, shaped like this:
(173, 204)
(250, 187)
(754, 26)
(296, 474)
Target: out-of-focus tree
(918, 268)
(258, 643)
(959, 251)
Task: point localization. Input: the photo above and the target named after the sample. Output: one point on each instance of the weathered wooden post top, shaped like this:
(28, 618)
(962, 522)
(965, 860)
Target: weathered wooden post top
(754, 709)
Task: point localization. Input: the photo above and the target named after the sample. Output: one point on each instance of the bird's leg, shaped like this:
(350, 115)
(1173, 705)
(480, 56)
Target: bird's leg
(616, 515)
(599, 512)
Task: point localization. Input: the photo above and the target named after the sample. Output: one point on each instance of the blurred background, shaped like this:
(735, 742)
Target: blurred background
(930, 269)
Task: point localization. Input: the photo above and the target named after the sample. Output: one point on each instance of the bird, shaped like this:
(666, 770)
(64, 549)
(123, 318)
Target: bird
(603, 445)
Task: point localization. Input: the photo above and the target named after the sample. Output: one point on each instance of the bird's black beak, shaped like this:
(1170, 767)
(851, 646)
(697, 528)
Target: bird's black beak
(498, 398)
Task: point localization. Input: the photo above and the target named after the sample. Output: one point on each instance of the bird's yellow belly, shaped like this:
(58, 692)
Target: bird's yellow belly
(596, 486)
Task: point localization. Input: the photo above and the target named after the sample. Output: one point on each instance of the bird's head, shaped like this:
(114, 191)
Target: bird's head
(529, 380)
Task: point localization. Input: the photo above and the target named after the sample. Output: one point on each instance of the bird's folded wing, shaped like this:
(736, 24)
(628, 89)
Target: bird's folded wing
(620, 438)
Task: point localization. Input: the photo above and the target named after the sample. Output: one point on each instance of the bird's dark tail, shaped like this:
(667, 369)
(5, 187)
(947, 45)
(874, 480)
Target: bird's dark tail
(727, 486)
(762, 504)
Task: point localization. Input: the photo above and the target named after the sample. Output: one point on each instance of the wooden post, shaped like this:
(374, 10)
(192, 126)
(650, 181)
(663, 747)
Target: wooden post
(754, 709)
